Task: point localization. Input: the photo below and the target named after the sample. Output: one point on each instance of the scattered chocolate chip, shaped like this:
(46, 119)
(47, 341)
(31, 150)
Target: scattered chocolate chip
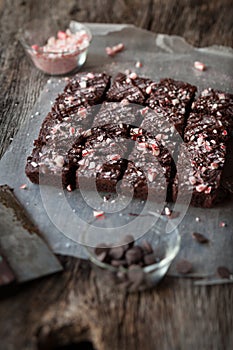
(223, 272)
(149, 259)
(184, 266)
(133, 255)
(200, 238)
(116, 253)
(147, 247)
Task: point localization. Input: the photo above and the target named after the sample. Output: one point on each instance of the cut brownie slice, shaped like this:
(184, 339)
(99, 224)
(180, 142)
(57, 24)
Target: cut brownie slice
(129, 87)
(172, 100)
(145, 175)
(202, 158)
(117, 113)
(70, 114)
(212, 113)
(105, 146)
(101, 161)
(92, 86)
(157, 128)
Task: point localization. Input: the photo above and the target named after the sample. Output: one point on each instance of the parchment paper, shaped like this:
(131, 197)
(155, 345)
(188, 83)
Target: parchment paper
(161, 56)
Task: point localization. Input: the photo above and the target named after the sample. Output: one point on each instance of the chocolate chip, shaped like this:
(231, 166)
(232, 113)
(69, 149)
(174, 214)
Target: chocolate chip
(200, 238)
(133, 255)
(100, 248)
(102, 256)
(127, 241)
(147, 247)
(121, 275)
(184, 266)
(118, 263)
(135, 275)
(149, 259)
(223, 272)
(116, 253)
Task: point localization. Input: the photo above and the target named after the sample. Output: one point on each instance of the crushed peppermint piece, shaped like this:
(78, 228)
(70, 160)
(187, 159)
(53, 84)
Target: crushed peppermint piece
(192, 180)
(222, 224)
(69, 188)
(201, 187)
(138, 64)
(133, 75)
(34, 164)
(90, 75)
(114, 157)
(148, 90)
(167, 211)
(59, 161)
(144, 111)
(72, 130)
(23, 187)
(197, 219)
(199, 66)
(111, 51)
(98, 214)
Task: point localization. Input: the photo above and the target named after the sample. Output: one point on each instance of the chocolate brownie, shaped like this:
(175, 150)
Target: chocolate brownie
(106, 140)
(130, 87)
(202, 157)
(212, 113)
(145, 174)
(157, 128)
(99, 158)
(117, 112)
(172, 99)
(70, 114)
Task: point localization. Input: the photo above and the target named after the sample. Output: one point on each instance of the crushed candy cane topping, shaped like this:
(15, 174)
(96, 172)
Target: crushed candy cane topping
(111, 51)
(199, 66)
(64, 42)
(97, 214)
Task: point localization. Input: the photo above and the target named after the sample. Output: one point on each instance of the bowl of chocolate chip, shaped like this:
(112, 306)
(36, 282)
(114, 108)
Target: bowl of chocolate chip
(56, 48)
(139, 264)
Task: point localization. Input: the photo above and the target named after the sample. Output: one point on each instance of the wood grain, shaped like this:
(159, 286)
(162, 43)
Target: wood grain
(82, 304)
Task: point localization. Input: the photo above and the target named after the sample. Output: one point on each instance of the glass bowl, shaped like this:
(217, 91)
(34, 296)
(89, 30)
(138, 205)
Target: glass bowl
(165, 247)
(51, 56)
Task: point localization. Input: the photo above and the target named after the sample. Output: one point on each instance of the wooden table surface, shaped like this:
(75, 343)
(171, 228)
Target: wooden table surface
(81, 308)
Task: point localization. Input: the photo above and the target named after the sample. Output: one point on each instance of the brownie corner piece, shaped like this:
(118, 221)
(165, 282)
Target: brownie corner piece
(172, 99)
(127, 87)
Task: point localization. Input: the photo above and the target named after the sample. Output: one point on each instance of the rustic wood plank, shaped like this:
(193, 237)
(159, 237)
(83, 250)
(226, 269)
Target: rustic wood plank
(82, 304)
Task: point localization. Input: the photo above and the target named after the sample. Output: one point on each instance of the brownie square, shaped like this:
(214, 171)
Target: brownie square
(172, 100)
(131, 88)
(69, 116)
(145, 175)
(101, 160)
(202, 158)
